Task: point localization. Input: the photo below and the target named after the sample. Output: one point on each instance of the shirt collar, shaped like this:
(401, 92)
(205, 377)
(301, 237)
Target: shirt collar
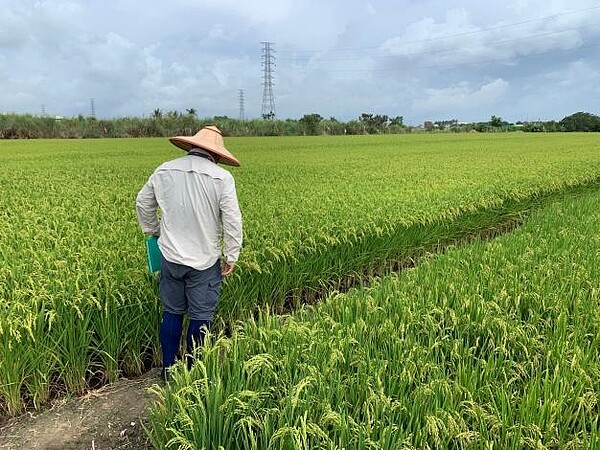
(196, 151)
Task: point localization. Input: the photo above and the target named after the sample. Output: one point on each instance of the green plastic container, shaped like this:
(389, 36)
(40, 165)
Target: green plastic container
(153, 254)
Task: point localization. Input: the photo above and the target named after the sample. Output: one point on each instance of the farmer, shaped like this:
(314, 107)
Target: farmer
(199, 208)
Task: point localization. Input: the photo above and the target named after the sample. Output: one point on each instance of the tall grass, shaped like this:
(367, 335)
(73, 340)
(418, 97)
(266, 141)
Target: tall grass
(492, 345)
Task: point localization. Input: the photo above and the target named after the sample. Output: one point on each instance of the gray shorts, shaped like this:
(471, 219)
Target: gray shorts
(184, 289)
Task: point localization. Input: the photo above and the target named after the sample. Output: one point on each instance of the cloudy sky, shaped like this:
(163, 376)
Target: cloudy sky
(420, 59)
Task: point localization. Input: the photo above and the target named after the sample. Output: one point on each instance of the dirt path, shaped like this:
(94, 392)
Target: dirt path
(109, 418)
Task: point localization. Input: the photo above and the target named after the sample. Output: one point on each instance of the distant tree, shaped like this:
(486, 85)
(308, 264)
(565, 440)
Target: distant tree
(373, 123)
(172, 123)
(398, 121)
(333, 126)
(446, 124)
(581, 121)
(534, 127)
(496, 122)
(354, 127)
(173, 114)
(310, 123)
(191, 112)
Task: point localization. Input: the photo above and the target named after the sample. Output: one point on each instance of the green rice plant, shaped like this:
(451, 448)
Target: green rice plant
(490, 345)
(64, 266)
(72, 340)
(318, 213)
(25, 362)
(316, 223)
(108, 341)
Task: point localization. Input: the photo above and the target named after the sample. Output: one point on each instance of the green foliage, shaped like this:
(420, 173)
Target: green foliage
(497, 122)
(494, 345)
(581, 121)
(74, 296)
(172, 123)
(374, 123)
(311, 122)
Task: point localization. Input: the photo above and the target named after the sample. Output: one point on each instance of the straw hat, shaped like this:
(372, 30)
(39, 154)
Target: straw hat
(210, 139)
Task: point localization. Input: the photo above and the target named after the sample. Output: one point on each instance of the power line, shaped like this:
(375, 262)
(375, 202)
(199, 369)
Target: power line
(438, 53)
(352, 51)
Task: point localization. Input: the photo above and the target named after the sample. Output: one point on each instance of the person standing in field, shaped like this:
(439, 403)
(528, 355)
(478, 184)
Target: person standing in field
(199, 235)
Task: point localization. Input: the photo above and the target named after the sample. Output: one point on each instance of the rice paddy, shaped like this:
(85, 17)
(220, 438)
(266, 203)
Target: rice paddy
(493, 344)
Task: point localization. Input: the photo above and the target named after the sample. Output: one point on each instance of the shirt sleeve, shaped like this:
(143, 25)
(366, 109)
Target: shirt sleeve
(146, 207)
(231, 219)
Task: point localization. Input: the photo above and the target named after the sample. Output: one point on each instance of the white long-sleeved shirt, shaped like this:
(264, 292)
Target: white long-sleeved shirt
(198, 204)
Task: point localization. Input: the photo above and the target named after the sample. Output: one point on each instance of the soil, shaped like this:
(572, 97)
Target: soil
(107, 418)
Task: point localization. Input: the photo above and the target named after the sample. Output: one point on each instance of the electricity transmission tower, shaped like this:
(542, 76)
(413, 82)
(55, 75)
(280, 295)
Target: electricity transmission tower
(92, 109)
(242, 104)
(268, 61)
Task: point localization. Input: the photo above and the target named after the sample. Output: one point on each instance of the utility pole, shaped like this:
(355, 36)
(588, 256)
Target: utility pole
(242, 104)
(268, 61)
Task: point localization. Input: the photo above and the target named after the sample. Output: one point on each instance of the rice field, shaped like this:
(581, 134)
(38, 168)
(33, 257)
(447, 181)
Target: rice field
(491, 345)
(77, 308)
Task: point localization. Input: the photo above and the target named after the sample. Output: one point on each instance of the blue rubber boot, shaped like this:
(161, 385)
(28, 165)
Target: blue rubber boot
(171, 328)
(195, 336)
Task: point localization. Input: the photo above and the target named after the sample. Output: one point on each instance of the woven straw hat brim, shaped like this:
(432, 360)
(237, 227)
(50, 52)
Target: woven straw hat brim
(188, 142)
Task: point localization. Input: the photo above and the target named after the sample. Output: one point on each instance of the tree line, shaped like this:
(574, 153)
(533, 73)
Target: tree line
(173, 123)
(25, 126)
(580, 121)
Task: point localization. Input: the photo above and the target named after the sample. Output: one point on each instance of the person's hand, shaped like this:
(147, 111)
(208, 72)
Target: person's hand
(227, 269)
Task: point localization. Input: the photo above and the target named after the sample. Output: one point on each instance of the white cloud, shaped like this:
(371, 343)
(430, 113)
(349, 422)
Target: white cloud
(461, 97)
(559, 92)
(12, 29)
(217, 32)
(575, 75)
(341, 57)
(458, 40)
(256, 11)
